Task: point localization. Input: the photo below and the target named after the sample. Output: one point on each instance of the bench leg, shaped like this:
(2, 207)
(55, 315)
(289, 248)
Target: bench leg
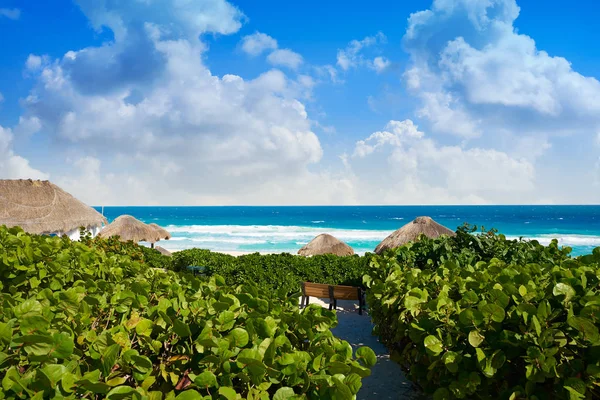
(360, 302)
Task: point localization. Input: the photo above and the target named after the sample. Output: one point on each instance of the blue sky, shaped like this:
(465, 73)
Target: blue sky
(216, 102)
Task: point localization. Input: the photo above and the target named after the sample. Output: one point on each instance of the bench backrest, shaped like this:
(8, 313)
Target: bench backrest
(346, 293)
(326, 291)
(315, 290)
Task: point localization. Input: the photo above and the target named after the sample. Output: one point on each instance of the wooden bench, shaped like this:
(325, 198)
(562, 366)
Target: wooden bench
(333, 293)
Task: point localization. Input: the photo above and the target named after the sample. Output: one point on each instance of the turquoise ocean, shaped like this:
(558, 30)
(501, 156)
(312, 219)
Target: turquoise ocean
(286, 229)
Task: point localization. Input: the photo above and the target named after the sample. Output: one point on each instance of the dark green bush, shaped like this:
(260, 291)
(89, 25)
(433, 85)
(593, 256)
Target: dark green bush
(156, 259)
(488, 318)
(82, 322)
(275, 271)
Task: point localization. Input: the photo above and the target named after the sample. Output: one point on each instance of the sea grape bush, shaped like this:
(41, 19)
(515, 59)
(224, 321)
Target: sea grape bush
(479, 316)
(277, 271)
(79, 322)
(135, 251)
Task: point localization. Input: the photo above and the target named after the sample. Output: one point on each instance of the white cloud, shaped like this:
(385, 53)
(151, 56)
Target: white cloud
(328, 72)
(1, 97)
(182, 134)
(13, 166)
(257, 43)
(352, 57)
(28, 126)
(380, 64)
(399, 165)
(173, 18)
(476, 74)
(10, 13)
(285, 58)
(33, 62)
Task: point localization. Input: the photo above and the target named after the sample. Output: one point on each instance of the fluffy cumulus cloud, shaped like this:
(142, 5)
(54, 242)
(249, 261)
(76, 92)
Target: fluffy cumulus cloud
(285, 58)
(147, 104)
(13, 166)
(10, 13)
(353, 55)
(141, 119)
(401, 165)
(476, 74)
(257, 43)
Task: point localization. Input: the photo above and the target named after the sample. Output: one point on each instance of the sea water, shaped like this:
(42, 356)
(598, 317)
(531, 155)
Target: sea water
(286, 229)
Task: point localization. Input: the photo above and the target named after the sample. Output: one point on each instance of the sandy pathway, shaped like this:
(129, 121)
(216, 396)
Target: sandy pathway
(387, 380)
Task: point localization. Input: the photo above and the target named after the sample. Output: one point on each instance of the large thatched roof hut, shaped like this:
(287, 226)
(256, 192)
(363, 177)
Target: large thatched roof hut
(41, 207)
(411, 232)
(326, 244)
(129, 228)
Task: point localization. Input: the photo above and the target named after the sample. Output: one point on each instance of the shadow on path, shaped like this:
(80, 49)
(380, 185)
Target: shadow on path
(387, 380)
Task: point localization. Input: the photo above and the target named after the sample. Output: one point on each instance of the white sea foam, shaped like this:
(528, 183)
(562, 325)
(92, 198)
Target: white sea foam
(564, 239)
(275, 232)
(288, 238)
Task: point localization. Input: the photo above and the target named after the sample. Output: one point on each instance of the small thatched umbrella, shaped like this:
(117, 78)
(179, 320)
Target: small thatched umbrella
(128, 228)
(41, 207)
(162, 251)
(411, 232)
(326, 244)
(164, 234)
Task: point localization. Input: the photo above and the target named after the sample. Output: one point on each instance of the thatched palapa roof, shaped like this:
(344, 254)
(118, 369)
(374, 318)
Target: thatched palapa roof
(411, 232)
(164, 234)
(41, 207)
(128, 228)
(326, 244)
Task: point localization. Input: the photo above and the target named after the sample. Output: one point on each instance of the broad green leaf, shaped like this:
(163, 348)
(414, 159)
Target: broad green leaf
(239, 337)
(123, 392)
(588, 330)
(433, 344)
(189, 395)
(494, 312)
(475, 338)
(144, 327)
(228, 393)
(181, 328)
(109, 358)
(336, 367)
(442, 394)
(206, 379)
(353, 381)
(284, 393)
(562, 289)
(367, 356)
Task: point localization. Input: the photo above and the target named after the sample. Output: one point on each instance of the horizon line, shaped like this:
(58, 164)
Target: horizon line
(362, 205)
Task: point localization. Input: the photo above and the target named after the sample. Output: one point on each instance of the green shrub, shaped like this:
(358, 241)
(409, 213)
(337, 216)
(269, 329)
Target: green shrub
(113, 246)
(277, 271)
(156, 259)
(80, 322)
(483, 317)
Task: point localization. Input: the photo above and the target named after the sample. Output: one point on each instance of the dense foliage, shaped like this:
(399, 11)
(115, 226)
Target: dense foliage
(277, 271)
(79, 321)
(479, 316)
(113, 246)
